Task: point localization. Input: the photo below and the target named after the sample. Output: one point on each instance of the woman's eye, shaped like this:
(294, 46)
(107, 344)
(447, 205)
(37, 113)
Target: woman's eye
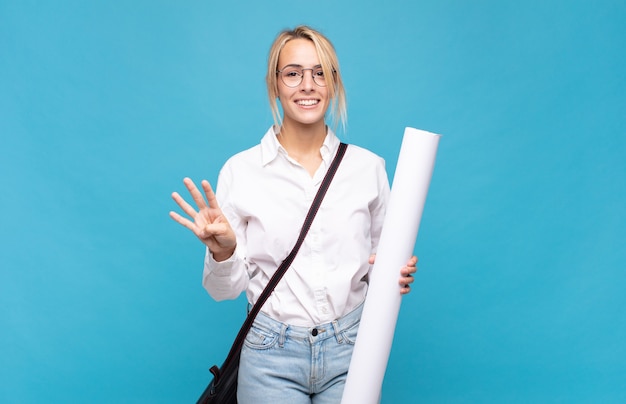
(319, 73)
(292, 74)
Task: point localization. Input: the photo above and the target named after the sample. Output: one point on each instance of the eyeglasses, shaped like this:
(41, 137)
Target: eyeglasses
(292, 75)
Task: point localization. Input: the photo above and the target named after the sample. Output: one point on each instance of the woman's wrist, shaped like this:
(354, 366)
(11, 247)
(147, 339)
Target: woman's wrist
(222, 255)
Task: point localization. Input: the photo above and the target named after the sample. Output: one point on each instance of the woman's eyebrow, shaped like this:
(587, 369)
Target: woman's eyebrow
(300, 66)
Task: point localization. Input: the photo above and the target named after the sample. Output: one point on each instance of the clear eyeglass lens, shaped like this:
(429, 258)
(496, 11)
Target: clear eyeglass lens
(292, 76)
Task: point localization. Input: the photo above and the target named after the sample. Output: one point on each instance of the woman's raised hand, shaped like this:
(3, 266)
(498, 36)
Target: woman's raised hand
(208, 223)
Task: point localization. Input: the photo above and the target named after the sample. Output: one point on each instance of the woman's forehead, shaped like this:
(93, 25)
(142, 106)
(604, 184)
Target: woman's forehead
(299, 52)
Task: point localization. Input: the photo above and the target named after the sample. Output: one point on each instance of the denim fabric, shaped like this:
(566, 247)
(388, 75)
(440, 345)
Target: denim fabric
(281, 363)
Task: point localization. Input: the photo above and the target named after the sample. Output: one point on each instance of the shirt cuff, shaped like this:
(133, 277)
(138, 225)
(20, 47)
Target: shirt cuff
(221, 268)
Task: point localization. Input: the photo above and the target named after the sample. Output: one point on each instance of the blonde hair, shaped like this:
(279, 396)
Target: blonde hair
(330, 66)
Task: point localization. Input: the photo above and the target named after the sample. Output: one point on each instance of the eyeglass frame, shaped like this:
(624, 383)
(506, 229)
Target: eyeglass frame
(302, 69)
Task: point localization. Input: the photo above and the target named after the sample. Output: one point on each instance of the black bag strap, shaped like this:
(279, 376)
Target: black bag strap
(321, 192)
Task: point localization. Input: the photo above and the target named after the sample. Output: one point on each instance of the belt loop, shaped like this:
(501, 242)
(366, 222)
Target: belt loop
(338, 333)
(283, 335)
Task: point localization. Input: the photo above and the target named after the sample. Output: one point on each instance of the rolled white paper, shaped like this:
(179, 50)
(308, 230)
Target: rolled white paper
(397, 241)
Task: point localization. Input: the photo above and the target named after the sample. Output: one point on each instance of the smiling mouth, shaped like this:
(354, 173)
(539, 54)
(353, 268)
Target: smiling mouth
(307, 103)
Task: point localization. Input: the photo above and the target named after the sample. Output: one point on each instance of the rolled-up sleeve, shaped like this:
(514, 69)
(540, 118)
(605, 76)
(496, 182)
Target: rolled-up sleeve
(226, 279)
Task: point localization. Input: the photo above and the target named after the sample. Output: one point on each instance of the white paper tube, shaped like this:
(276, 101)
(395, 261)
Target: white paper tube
(380, 312)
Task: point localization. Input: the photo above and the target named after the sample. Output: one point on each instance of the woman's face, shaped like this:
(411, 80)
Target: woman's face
(306, 103)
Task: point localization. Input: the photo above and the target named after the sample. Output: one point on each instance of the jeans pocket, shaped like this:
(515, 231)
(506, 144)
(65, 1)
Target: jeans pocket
(349, 334)
(259, 338)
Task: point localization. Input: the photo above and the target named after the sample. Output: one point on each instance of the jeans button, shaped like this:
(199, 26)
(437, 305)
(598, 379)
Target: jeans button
(314, 332)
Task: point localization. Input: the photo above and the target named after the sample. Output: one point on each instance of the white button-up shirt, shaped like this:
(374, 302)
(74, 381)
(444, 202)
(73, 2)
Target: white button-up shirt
(265, 195)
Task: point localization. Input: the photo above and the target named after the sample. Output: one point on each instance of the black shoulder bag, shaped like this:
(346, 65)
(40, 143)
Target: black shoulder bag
(223, 387)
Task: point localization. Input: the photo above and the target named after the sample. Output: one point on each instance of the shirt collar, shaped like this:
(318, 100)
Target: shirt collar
(270, 146)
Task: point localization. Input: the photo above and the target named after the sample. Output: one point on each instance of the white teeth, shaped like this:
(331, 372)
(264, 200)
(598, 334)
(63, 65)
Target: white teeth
(307, 102)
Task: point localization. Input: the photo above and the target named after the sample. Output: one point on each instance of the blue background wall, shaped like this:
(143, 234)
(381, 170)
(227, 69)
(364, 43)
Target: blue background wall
(105, 107)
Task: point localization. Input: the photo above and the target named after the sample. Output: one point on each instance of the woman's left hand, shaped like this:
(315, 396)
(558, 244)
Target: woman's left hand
(406, 273)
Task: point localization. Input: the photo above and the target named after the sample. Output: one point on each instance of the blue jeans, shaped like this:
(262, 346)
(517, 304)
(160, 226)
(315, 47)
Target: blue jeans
(281, 363)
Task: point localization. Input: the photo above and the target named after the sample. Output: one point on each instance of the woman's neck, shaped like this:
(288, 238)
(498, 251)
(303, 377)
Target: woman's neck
(300, 139)
(303, 143)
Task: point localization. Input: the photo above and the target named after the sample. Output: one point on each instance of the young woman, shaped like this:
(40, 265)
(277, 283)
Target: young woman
(299, 348)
